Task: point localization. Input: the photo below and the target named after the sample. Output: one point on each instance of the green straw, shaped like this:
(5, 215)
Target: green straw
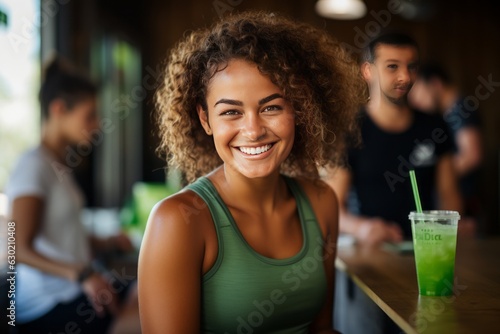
(415, 190)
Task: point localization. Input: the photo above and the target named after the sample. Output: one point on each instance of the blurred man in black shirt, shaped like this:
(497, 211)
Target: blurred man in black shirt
(374, 190)
(395, 139)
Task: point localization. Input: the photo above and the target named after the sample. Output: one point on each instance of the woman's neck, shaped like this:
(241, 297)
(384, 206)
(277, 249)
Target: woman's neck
(53, 142)
(261, 195)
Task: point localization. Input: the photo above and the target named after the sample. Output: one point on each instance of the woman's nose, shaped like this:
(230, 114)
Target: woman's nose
(253, 127)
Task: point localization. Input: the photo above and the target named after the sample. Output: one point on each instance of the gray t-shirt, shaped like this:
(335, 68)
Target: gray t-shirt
(61, 235)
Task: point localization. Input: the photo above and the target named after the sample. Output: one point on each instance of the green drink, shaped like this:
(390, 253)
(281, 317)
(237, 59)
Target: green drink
(434, 243)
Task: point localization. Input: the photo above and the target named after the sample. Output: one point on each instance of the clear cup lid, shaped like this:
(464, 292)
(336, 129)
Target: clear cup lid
(434, 214)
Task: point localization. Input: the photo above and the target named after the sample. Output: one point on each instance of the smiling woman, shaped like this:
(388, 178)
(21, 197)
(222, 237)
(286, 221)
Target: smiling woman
(249, 110)
(316, 76)
(253, 131)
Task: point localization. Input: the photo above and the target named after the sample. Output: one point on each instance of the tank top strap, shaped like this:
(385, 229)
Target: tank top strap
(301, 198)
(206, 190)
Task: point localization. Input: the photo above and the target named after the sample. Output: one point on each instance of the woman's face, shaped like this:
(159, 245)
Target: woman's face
(79, 122)
(253, 126)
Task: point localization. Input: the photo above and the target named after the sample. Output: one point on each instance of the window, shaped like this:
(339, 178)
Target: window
(19, 81)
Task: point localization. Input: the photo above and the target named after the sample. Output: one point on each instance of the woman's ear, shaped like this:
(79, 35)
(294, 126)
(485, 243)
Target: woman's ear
(203, 116)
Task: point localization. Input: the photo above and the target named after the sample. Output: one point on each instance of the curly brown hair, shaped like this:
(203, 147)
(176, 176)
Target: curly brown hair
(316, 74)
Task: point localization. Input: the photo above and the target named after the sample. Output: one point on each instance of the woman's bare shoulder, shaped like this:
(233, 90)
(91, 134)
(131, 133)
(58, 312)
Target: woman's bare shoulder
(182, 214)
(170, 263)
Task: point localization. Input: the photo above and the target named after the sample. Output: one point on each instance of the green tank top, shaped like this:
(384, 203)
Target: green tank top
(246, 292)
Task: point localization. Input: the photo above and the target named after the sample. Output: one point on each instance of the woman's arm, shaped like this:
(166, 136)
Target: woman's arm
(170, 268)
(325, 205)
(27, 212)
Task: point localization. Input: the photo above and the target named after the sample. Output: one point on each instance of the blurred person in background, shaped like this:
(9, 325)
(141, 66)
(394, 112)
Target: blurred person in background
(56, 284)
(434, 91)
(374, 189)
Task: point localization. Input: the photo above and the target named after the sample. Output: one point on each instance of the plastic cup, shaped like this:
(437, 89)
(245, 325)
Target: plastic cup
(434, 244)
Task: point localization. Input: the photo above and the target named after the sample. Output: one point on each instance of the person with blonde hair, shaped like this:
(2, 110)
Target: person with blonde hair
(249, 110)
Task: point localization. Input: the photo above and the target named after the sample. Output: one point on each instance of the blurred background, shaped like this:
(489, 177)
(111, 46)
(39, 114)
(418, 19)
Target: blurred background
(122, 45)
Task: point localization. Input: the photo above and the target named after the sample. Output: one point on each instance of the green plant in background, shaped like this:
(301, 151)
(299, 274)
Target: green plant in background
(135, 213)
(4, 20)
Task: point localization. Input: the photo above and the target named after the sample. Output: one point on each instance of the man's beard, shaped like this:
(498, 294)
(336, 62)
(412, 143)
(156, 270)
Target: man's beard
(402, 100)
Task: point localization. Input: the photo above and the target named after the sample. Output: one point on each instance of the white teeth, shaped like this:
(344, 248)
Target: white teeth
(255, 150)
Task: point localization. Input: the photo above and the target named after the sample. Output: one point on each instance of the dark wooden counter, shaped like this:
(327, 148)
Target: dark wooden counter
(389, 279)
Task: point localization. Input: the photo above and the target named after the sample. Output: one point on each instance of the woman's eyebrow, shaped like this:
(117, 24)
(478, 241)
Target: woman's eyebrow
(228, 101)
(270, 98)
(239, 103)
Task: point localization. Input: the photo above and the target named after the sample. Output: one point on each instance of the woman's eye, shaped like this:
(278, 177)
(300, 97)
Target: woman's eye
(273, 108)
(230, 112)
(392, 66)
